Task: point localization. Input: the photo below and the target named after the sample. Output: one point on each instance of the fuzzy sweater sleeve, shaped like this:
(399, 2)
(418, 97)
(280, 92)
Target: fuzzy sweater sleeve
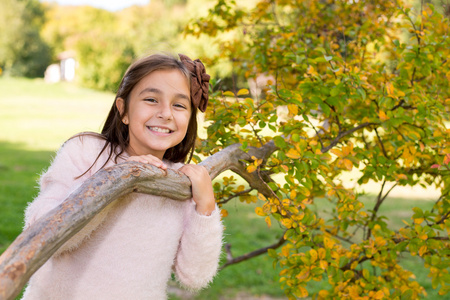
(72, 160)
(200, 247)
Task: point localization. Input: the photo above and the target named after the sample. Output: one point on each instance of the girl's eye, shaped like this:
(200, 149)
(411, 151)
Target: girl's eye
(180, 106)
(150, 100)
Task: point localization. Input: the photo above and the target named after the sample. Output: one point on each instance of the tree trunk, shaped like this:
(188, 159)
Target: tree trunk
(36, 244)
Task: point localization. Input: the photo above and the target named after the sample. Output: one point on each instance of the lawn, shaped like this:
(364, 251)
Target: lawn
(36, 118)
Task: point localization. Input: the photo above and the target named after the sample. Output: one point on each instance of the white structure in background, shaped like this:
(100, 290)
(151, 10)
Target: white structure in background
(62, 71)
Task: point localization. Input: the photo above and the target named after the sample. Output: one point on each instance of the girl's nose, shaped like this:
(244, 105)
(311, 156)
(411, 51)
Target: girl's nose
(165, 112)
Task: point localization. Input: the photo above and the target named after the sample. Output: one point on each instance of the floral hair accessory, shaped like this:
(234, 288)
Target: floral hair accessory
(199, 82)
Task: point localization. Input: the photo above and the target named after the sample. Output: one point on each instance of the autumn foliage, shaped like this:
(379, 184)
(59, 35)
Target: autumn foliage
(364, 87)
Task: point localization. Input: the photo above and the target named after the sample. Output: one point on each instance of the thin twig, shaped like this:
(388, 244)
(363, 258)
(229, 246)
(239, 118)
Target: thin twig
(381, 144)
(252, 254)
(228, 199)
(345, 133)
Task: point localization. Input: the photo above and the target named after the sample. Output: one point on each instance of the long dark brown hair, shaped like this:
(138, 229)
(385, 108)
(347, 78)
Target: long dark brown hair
(115, 132)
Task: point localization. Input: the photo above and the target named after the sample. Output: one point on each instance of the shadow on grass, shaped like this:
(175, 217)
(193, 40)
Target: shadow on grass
(20, 169)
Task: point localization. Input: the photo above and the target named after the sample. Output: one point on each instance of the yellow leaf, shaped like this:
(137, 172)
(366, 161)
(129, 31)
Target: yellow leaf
(423, 236)
(242, 92)
(379, 295)
(383, 116)
(401, 177)
(418, 220)
(228, 93)
(337, 152)
(268, 221)
(251, 168)
(224, 213)
(240, 188)
(323, 294)
(292, 153)
(285, 168)
(293, 109)
(390, 89)
(348, 164)
(311, 71)
(249, 114)
(283, 272)
(321, 253)
(259, 211)
(329, 243)
(286, 223)
(292, 194)
(423, 250)
(262, 197)
(301, 291)
(287, 35)
(323, 264)
(313, 254)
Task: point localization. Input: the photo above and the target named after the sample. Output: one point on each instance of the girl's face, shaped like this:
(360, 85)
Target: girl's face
(158, 112)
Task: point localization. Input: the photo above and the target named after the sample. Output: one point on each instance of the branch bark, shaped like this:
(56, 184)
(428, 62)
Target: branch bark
(36, 244)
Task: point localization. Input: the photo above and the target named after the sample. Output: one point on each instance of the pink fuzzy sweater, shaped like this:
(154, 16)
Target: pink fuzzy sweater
(130, 249)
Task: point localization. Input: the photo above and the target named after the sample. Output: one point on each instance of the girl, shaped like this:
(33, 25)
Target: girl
(130, 248)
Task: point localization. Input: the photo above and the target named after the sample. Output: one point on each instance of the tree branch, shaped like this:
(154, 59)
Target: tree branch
(232, 261)
(345, 133)
(380, 200)
(226, 200)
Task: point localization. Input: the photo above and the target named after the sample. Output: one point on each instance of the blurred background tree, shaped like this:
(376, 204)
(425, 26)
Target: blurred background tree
(22, 50)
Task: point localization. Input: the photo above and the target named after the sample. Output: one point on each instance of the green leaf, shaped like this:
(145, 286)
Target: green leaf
(280, 142)
(362, 92)
(335, 91)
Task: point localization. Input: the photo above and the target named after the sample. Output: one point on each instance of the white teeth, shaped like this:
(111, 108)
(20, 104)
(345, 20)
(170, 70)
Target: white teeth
(159, 129)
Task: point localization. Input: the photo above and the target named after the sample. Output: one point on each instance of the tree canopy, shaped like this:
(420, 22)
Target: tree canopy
(365, 90)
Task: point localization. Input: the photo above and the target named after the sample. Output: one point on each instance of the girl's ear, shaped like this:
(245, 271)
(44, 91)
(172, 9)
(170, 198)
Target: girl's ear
(120, 104)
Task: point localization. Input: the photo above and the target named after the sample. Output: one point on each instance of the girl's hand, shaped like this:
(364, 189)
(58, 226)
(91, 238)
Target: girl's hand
(148, 159)
(202, 190)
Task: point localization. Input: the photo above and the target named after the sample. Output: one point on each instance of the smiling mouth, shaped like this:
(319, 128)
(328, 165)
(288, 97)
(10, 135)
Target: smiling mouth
(159, 129)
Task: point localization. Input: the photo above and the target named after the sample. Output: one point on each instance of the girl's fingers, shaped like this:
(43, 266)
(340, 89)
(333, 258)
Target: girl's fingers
(148, 159)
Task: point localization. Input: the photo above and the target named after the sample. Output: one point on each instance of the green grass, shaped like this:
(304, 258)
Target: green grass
(42, 116)
(19, 171)
(36, 118)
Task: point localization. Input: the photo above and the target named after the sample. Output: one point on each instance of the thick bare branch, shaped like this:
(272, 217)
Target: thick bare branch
(37, 243)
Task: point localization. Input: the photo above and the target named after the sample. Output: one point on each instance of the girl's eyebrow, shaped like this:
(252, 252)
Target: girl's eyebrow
(158, 91)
